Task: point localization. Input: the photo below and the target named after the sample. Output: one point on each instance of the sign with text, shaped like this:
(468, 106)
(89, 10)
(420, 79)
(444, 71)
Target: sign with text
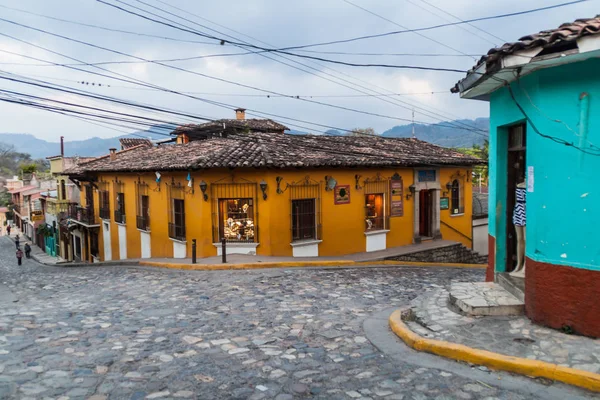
(426, 175)
(396, 197)
(444, 203)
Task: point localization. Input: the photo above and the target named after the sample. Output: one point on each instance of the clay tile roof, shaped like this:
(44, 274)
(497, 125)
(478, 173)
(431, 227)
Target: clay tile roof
(21, 189)
(257, 125)
(564, 34)
(270, 150)
(131, 142)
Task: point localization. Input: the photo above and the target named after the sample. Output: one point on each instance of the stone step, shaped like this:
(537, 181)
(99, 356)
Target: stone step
(515, 286)
(484, 298)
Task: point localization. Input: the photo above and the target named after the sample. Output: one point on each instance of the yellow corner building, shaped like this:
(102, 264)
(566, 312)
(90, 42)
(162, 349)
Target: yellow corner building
(264, 192)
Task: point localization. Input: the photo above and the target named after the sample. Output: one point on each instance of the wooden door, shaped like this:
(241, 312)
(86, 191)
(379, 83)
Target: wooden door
(425, 210)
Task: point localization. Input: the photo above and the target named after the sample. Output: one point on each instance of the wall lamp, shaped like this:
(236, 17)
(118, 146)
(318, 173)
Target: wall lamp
(203, 187)
(263, 188)
(330, 183)
(279, 179)
(411, 192)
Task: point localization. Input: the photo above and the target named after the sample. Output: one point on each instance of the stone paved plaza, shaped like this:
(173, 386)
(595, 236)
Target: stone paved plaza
(135, 333)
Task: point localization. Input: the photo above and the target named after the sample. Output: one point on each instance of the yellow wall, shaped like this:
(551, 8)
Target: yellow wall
(343, 226)
(462, 223)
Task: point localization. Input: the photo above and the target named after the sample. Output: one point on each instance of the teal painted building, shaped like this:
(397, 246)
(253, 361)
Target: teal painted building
(544, 95)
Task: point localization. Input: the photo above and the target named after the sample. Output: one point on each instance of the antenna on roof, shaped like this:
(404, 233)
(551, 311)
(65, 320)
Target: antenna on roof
(413, 124)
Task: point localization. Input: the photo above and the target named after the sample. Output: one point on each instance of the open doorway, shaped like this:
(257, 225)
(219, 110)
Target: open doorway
(426, 214)
(516, 173)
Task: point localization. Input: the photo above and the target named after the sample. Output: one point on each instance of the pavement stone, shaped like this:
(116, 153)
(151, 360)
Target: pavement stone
(121, 332)
(510, 335)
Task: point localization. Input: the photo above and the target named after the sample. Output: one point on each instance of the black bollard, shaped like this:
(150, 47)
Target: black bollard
(224, 250)
(193, 251)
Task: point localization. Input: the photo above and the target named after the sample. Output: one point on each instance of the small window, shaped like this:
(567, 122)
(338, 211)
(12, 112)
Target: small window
(236, 219)
(104, 204)
(304, 219)
(63, 190)
(143, 218)
(120, 208)
(457, 198)
(94, 244)
(374, 210)
(177, 226)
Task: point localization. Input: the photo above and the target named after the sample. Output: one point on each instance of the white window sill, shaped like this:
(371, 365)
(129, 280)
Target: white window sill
(144, 230)
(178, 241)
(238, 244)
(457, 215)
(376, 232)
(120, 224)
(308, 242)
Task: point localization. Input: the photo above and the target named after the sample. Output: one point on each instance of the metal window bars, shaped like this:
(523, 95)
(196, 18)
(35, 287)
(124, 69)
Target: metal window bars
(305, 204)
(119, 193)
(176, 211)
(142, 206)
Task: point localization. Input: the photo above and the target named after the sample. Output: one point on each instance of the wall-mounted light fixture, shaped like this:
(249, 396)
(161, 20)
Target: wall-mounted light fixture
(203, 187)
(448, 188)
(330, 183)
(357, 182)
(411, 192)
(263, 188)
(279, 179)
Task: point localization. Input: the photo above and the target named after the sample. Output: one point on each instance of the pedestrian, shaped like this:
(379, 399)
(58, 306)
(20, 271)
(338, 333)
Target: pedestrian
(17, 241)
(8, 230)
(27, 249)
(19, 256)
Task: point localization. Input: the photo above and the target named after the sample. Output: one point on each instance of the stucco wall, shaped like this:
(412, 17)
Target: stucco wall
(343, 226)
(563, 210)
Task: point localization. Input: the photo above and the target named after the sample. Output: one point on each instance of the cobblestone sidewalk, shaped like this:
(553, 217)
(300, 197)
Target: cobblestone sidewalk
(513, 336)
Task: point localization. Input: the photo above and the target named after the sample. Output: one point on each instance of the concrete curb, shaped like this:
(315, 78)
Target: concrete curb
(523, 366)
(299, 264)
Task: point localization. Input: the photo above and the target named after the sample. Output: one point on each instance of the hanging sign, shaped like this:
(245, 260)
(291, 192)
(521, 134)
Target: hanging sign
(341, 194)
(444, 203)
(530, 179)
(396, 197)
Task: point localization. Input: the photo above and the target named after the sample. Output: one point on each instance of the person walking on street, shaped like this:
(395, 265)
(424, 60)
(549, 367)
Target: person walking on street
(27, 249)
(19, 256)
(8, 230)
(17, 241)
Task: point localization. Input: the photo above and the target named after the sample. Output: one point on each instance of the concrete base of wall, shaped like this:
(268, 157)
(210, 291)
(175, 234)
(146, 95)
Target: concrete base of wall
(563, 297)
(179, 249)
(456, 253)
(146, 244)
(305, 248)
(376, 240)
(237, 248)
(122, 230)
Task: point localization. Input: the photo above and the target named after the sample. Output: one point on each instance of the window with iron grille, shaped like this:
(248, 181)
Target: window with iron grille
(305, 201)
(119, 189)
(235, 215)
(94, 243)
(376, 204)
(104, 199)
(457, 197)
(142, 206)
(176, 212)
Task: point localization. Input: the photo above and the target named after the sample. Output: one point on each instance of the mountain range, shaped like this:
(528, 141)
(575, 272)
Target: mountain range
(459, 133)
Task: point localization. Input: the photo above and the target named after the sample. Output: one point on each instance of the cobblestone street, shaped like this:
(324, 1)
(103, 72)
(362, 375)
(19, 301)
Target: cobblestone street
(135, 333)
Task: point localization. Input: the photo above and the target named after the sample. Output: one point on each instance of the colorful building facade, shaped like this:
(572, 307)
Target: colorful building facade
(267, 193)
(544, 127)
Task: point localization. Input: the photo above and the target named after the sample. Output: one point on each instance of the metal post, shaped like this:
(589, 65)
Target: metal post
(224, 250)
(193, 251)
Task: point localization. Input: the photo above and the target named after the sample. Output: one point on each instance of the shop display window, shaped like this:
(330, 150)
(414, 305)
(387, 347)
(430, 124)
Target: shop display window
(374, 209)
(236, 220)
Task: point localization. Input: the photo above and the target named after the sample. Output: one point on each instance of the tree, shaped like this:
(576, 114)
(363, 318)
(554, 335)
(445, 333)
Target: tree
(363, 132)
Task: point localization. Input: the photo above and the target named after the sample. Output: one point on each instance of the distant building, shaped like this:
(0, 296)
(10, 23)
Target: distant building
(544, 156)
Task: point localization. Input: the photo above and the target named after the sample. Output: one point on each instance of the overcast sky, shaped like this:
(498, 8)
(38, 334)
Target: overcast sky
(279, 24)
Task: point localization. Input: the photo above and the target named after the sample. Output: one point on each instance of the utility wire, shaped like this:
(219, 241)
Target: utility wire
(353, 86)
(183, 70)
(411, 107)
(403, 27)
(468, 23)
(223, 41)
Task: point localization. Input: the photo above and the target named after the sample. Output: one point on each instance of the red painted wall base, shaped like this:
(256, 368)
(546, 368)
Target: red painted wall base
(559, 296)
(489, 272)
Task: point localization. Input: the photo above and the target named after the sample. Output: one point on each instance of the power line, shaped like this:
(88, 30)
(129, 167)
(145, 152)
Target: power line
(468, 23)
(403, 27)
(282, 51)
(353, 87)
(183, 70)
(428, 28)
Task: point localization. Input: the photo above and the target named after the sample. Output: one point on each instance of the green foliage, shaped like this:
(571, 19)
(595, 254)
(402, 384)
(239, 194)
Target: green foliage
(44, 230)
(481, 172)
(363, 132)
